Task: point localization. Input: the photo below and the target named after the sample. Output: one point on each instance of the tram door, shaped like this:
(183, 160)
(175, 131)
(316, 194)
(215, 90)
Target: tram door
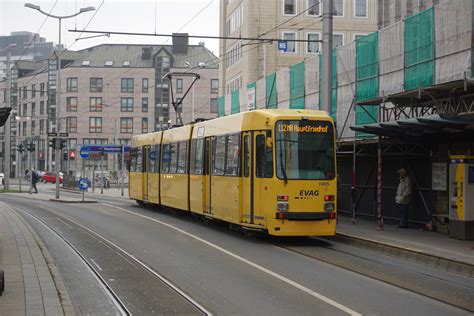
(247, 179)
(262, 157)
(146, 152)
(208, 142)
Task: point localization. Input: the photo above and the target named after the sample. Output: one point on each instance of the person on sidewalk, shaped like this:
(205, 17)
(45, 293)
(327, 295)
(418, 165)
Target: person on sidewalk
(34, 180)
(402, 198)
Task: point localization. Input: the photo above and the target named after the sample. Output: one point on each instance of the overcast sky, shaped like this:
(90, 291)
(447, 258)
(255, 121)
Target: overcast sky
(114, 15)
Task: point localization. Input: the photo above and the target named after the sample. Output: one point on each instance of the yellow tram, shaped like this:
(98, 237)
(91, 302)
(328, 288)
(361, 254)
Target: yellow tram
(272, 170)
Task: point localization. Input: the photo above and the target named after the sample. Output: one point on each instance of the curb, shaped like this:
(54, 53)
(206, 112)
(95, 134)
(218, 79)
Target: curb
(73, 201)
(421, 257)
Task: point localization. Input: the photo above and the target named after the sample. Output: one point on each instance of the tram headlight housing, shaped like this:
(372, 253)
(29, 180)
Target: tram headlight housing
(329, 206)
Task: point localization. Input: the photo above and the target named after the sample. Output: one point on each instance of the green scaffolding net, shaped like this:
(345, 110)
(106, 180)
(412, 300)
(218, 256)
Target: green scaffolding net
(252, 95)
(367, 67)
(235, 102)
(333, 83)
(271, 92)
(419, 50)
(221, 106)
(297, 86)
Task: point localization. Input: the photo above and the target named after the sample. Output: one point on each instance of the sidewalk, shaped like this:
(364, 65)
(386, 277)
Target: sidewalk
(431, 243)
(30, 288)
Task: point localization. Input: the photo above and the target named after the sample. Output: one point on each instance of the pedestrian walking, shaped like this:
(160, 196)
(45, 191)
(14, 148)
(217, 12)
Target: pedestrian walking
(403, 196)
(34, 180)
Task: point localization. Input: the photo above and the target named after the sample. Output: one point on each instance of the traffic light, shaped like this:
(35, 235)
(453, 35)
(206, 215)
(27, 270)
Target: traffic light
(31, 147)
(62, 143)
(20, 148)
(65, 155)
(52, 143)
(119, 158)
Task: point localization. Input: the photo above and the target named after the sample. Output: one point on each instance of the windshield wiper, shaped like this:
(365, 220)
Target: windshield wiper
(283, 168)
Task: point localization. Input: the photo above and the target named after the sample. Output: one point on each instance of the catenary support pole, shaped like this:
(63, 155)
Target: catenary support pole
(8, 155)
(326, 97)
(122, 171)
(379, 177)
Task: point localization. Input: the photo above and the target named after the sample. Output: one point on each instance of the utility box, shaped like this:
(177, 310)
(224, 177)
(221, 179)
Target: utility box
(461, 197)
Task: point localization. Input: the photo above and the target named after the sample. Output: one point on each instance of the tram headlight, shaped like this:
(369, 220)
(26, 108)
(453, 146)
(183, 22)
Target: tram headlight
(329, 206)
(282, 206)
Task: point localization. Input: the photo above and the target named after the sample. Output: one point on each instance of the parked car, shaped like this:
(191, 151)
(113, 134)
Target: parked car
(41, 174)
(51, 177)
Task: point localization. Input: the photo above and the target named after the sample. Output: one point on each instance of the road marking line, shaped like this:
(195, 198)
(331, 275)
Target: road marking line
(95, 263)
(252, 264)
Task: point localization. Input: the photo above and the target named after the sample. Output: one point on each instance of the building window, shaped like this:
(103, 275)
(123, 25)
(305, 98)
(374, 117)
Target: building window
(144, 85)
(95, 141)
(109, 63)
(25, 93)
(71, 124)
(289, 7)
(95, 104)
(234, 84)
(314, 7)
(360, 8)
(357, 36)
(126, 63)
(41, 108)
(71, 84)
(127, 85)
(144, 125)
(312, 47)
(96, 85)
(234, 21)
(214, 105)
(25, 109)
(126, 125)
(179, 85)
(214, 86)
(24, 128)
(337, 40)
(33, 91)
(41, 131)
(126, 105)
(233, 55)
(33, 110)
(42, 89)
(144, 104)
(33, 127)
(95, 125)
(71, 104)
(338, 7)
(290, 37)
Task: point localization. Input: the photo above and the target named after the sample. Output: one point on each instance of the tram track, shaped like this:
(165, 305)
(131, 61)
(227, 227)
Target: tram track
(147, 272)
(405, 275)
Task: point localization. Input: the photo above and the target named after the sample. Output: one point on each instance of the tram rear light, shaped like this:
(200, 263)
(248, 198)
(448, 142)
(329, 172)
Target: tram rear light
(332, 215)
(282, 198)
(280, 215)
(329, 206)
(329, 198)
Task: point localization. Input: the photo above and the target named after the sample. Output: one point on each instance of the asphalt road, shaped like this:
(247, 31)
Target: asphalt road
(225, 272)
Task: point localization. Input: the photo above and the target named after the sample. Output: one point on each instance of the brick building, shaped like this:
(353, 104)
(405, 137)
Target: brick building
(108, 93)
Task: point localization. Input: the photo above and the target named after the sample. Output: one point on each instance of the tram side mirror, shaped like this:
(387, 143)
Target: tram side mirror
(269, 142)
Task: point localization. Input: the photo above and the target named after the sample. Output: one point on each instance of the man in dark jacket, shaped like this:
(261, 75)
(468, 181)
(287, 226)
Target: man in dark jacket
(34, 180)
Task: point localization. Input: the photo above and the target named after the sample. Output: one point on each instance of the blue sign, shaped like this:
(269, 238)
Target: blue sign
(83, 184)
(152, 155)
(85, 152)
(108, 149)
(283, 45)
(166, 156)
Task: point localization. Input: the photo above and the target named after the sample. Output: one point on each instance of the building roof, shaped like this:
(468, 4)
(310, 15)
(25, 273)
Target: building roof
(118, 53)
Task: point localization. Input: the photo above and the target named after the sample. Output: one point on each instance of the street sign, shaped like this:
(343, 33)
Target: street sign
(63, 134)
(108, 149)
(85, 152)
(283, 45)
(52, 134)
(152, 155)
(83, 184)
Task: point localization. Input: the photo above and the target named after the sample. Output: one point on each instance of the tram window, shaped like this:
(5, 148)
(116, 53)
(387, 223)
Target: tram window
(173, 157)
(165, 159)
(139, 160)
(196, 156)
(133, 160)
(264, 158)
(233, 155)
(246, 156)
(182, 157)
(153, 158)
(219, 156)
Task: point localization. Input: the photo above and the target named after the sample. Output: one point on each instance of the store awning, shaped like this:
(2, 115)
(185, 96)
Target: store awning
(428, 128)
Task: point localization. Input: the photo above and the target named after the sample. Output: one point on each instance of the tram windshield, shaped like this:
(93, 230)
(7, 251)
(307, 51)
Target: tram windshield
(304, 150)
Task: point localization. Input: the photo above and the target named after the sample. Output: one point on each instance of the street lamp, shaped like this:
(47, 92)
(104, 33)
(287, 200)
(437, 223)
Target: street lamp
(58, 79)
